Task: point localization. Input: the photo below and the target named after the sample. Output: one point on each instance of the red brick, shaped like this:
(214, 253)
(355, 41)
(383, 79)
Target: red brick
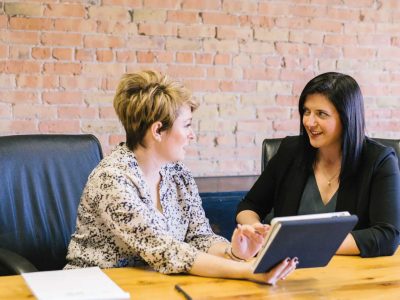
(383, 40)
(62, 53)
(37, 81)
(358, 28)
(126, 56)
(59, 126)
(219, 18)
(19, 52)
(62, 97)
(343, 13)
(228, 32)
(77, 112)
(145, 57)
(325, 52)
(84, 55)
(116, 27)
(31, 23)
(104, 55)
(201, 5)
(61, 39)
(80, 82)
(18, 97)
(65, 10)
(3, 21)
(158, 29)
(162, 4)
(202, 85)
(3, 51)
(186, 71)
(286, 125)
(101, 41)
(115, 139)
(325, 25)
(276, 9)
(184, 57)
(125, 3)
(28, 111)
(75, 25)
(165, 57)
(63, 68)
(257, 21)
(234, 6)
(308, 10)
(185, 17)
(17, 67)
(291, 22)
(108, 113)
(114, 69)
(41, 53)
(5, 111)
(183, 45)
(23, 9)
(18, 126)
(109, 13)
(196, 31)
(222, 59)
(21, 37)
(258, 73)
(203, 58)
(273, 113)
(340, 39)
(224, 72)
(7, 81)
(101, 126)
(237, 86)
(358, 3)
(359, 52)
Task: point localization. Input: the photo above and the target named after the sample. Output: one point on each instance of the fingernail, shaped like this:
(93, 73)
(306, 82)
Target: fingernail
(287, 259)
(296, 260)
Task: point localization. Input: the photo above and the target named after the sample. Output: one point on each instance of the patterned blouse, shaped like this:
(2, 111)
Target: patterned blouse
(118, 224)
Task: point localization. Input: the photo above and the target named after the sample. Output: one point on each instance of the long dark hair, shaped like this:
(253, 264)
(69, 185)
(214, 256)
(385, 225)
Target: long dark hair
(345, 94)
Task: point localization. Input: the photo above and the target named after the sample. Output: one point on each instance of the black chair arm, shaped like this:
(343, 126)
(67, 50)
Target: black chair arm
(15, 264)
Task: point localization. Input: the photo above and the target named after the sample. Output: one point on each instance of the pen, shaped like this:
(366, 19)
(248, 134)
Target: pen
(182, 291)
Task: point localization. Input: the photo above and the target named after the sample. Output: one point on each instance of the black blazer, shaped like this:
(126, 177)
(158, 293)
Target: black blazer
(373, 194)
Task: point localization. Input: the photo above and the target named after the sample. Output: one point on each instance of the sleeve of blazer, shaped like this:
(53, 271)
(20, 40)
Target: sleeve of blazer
(382, 236)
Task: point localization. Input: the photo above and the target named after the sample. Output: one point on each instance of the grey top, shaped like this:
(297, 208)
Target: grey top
(311, 201)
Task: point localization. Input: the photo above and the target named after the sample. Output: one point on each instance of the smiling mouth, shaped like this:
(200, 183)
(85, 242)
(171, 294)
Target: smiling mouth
(315, 133)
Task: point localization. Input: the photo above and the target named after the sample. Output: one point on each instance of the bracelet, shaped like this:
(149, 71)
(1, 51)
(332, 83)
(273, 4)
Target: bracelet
(229, 253)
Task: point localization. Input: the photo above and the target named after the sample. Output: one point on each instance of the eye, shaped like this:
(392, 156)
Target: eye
(306, 112)
(323, 114)
(188, 125)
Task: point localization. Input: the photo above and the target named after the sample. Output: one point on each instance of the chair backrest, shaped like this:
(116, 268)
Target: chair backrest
(270, 147)
(42, 179)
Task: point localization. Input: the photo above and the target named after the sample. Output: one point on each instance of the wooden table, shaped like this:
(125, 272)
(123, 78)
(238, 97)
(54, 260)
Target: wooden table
(344, 278)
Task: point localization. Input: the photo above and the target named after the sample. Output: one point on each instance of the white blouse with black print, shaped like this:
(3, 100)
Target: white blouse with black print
(118, 224)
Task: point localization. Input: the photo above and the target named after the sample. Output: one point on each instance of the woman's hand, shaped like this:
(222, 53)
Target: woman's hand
(248, 239)
(280, 272)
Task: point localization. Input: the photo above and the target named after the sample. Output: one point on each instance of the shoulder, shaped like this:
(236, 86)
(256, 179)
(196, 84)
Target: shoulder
(289, 147)
(375, 151)
(177, 171)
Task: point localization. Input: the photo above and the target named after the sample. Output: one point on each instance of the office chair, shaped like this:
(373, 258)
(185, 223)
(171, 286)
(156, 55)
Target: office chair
(42, 179)
(270, 147)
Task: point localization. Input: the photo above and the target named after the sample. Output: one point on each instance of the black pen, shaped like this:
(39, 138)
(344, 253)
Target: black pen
(181, 290)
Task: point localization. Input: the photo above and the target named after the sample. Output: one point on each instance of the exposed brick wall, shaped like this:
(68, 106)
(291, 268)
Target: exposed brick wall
(246, 61)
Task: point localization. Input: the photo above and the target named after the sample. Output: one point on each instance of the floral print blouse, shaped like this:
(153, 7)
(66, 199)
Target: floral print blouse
(118, 224)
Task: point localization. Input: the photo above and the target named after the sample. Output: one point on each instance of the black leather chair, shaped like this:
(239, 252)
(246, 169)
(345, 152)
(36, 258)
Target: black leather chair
(270, 147)
(42, 178)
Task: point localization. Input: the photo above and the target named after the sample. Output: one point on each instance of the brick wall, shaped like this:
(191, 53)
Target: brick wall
(245, 60)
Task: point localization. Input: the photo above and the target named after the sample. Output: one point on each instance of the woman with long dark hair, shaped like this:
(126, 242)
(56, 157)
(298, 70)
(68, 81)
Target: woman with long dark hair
(332, 166)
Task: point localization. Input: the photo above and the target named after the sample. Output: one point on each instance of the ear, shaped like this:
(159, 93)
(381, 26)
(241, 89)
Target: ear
(155, 130)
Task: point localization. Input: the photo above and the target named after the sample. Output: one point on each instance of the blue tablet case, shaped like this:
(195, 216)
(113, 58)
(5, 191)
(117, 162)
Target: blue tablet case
(313, 241)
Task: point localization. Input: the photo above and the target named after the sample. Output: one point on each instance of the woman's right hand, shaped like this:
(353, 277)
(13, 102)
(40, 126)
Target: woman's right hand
(280, 272)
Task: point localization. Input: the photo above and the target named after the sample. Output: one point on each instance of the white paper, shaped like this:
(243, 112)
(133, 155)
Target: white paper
(82, 284)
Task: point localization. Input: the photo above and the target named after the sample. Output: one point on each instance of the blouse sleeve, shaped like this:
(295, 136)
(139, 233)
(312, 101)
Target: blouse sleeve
(382, 237)
(131, 221)
(199, 234)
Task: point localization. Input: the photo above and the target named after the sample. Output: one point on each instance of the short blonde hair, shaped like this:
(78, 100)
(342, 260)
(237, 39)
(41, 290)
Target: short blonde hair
(146, 97)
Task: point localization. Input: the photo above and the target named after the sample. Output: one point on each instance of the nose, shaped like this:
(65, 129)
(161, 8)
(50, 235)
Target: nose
(191, 135)
(309, 120)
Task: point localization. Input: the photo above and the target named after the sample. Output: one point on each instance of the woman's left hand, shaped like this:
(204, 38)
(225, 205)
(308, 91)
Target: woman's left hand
(248, 239)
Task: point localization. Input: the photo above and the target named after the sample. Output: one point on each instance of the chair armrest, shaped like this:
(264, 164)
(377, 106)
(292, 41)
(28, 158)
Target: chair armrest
(15, 264)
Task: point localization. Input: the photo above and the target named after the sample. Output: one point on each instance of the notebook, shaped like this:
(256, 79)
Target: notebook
(88, 283)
